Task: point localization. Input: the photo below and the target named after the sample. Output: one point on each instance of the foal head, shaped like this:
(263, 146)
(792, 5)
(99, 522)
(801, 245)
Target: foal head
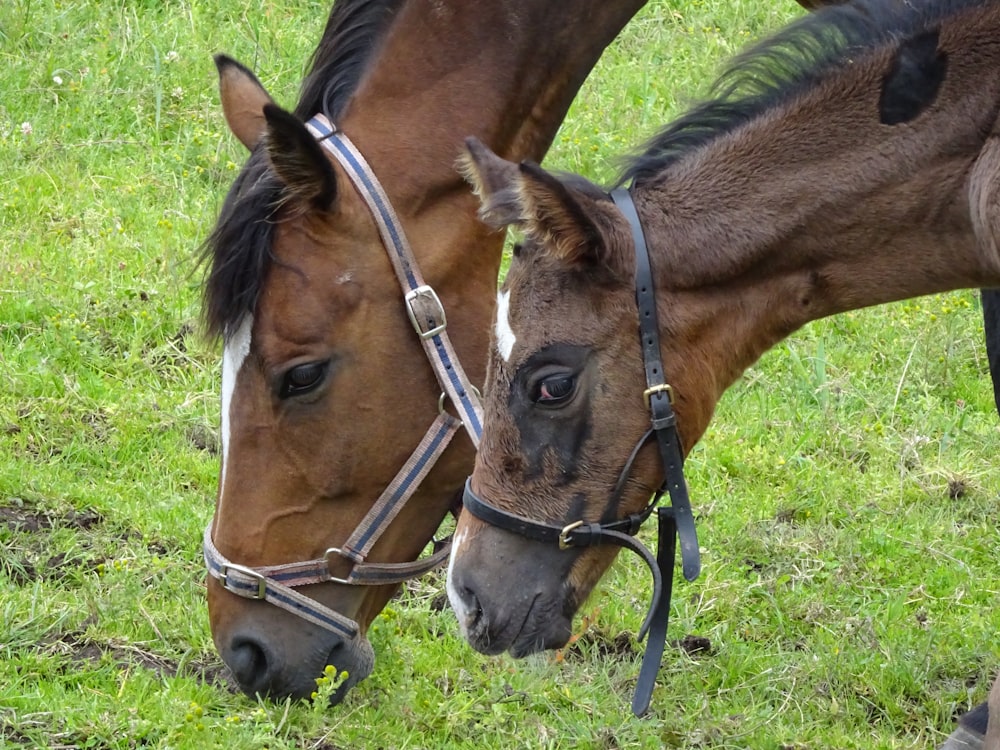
(564, 406)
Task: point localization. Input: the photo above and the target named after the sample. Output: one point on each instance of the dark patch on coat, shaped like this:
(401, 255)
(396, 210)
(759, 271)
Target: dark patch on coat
(911, 86)
(559, 432)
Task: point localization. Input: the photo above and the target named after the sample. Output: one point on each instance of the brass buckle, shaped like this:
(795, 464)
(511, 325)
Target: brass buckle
(421, 294)
(339, 553)
(250, 573)
(564, 542)
(648, 394)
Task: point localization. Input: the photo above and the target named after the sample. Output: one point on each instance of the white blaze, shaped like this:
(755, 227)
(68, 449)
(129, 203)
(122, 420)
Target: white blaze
(235, 352)
(505, 335)
(461, 611)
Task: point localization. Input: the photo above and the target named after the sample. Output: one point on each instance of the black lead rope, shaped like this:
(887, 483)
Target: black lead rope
(673, 522)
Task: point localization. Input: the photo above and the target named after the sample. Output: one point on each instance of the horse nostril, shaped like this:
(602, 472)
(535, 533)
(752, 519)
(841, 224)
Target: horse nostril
(248, 662)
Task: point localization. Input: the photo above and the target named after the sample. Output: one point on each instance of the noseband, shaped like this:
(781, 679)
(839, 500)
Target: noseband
(674, 521)
(276, 583)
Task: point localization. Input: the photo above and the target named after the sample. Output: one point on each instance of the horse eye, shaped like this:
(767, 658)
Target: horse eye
(302, 379)
(555, 389)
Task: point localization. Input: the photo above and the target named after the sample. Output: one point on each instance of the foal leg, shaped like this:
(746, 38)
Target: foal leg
(991, 323)
(969, 734)
(993, 729)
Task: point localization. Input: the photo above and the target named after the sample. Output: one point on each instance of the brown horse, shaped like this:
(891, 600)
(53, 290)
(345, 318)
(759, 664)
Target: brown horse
(327, 391)
(849, 161)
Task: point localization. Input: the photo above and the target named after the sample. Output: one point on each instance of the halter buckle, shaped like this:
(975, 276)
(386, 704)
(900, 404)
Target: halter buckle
(648, 394)
(444, 398)
(339, 553)
(432, 310)
(564, 541)
(245, 592)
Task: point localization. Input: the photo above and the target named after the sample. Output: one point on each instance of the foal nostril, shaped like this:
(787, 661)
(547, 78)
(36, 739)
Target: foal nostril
(470, 602)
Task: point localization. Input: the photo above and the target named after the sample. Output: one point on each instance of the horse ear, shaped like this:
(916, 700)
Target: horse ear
(494, 181)
(298, 159)
(556, 218)
(243, 100)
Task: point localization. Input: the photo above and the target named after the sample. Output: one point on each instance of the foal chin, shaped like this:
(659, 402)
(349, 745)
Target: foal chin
(513, 594)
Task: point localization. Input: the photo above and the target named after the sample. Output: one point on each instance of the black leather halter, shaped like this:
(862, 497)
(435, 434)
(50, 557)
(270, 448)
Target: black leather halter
(675, 521)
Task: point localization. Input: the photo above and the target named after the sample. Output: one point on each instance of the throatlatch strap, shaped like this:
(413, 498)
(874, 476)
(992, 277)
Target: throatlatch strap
(658, 393)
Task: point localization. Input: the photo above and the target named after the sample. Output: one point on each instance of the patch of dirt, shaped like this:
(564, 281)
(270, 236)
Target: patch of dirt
(595, 642)
(81, 650)
(17, 516)
(957, 489)
(204, 438)
(22, 571)
(694, 645)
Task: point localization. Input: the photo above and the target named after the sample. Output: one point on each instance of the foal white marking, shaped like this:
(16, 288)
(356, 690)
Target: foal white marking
(236, 350)
(505, 335)
(462, 612)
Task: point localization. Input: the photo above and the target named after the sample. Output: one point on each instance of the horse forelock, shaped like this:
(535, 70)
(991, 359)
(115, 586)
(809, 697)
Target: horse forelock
(782, 66)
(239, 247)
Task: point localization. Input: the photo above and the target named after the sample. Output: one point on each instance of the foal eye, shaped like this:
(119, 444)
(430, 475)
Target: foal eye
(302, 379)
(554, 389)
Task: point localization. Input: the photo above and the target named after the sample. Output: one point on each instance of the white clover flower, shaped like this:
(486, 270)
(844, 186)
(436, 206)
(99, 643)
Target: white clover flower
(57, 80)
(26, 128)
(171, 56)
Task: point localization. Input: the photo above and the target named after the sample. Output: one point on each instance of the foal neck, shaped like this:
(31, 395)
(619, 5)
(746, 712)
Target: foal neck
(814, 207)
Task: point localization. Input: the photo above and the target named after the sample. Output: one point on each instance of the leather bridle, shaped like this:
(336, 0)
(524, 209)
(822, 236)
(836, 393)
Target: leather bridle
(674, 522)
(277, 583)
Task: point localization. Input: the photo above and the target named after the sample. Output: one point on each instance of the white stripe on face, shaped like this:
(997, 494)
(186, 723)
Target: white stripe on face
(235, 352)
(505, 336)
(461, 611)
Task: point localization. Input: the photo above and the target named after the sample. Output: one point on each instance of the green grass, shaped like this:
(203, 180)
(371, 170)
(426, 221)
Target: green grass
(847, 491)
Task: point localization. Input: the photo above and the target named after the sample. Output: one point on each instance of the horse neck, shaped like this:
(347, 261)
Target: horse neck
(504, 71)
(815, 208)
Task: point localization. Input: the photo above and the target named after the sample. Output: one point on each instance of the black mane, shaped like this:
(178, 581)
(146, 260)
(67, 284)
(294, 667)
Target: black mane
(789, 62)
(239, 248)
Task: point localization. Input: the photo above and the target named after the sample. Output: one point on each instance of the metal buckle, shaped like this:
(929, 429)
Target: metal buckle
(443, 398)
(339, 553)
(261, 592)
(429, 294)
(648, 394)
(564, 540)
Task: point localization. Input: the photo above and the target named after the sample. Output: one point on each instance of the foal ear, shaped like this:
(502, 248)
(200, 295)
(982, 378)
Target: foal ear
(298, 159)
(243, 100)
(494, 181)
(557, 219)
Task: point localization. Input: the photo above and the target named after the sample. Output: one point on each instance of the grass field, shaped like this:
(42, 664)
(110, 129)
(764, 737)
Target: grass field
(847, 490)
